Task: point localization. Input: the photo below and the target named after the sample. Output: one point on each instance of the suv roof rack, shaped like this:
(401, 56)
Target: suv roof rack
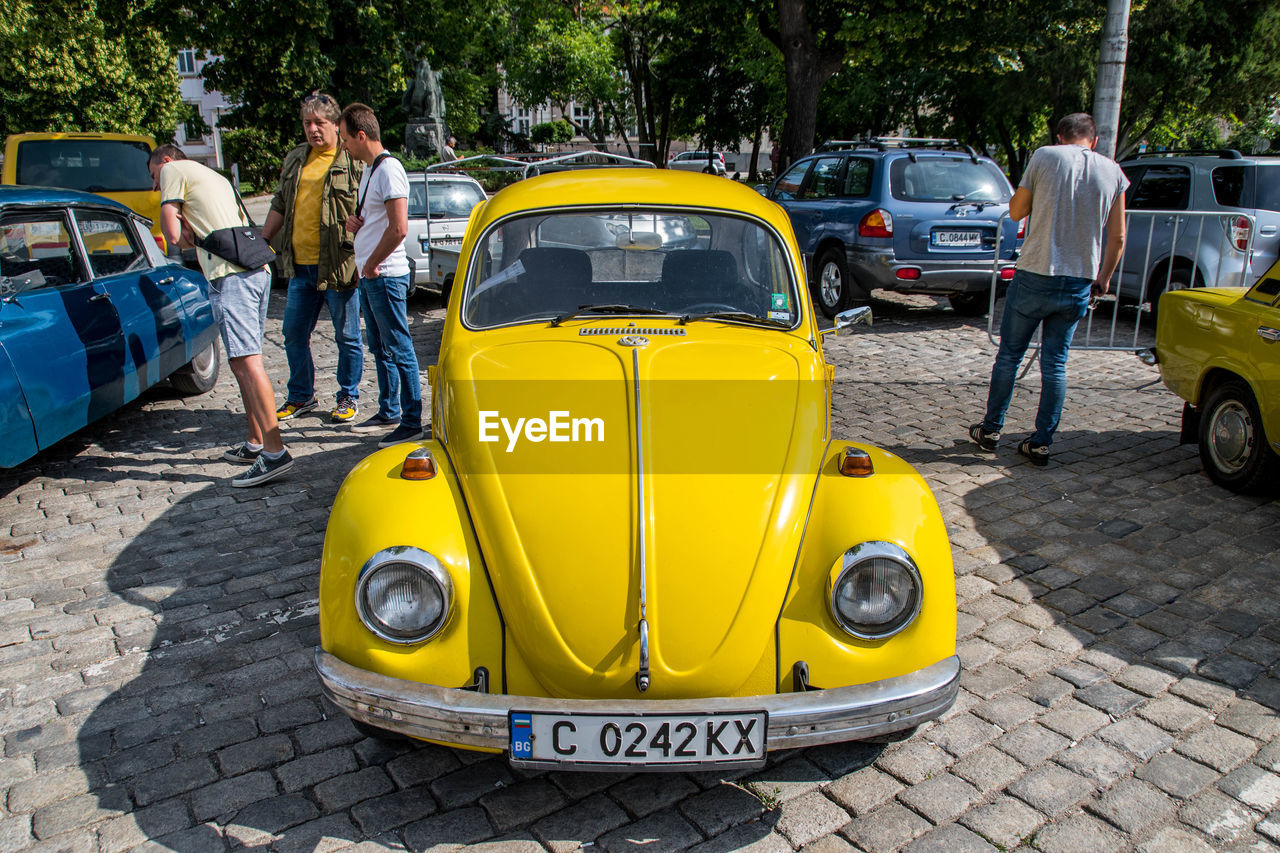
(884, 143)
(1222, 153)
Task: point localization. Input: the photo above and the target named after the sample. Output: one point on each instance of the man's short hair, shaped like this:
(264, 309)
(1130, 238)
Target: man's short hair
(320, 105)
(169, 150)
(1077, 127)
(358, 118)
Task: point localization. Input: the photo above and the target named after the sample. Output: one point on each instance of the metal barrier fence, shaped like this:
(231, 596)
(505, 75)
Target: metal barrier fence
(1177, 248)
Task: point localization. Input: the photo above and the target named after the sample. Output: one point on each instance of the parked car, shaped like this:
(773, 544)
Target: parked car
(91, 315)
(632, 540)
(439, 205)
(910, 215)
(1170, 251)
(113, 165)
(1219, 350)
(711, 162)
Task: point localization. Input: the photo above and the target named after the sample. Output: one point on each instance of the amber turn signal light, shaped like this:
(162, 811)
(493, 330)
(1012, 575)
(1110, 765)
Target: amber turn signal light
(418, 465)
(856, 463)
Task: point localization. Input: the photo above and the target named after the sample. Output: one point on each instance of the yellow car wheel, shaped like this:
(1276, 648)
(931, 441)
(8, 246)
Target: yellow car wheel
(1233, 447)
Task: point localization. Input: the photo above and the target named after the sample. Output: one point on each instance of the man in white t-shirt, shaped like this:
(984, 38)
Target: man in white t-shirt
(380, 223)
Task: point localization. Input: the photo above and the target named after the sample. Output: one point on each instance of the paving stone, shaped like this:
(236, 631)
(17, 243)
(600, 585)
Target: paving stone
(1217, 747)
(808, 818)
(828, 844)
(341, 792)
(1252, 786)
(940, 799)
(230, 795)
(662, 831)
(963, 734)
(331, 832)
(914, 761)
(645, 793)
(1051, 789)
(1032, 743)
(1078, 833)
(1217, 816)
(310, 769)
(1251, 719)
(754, 837)
(837, 759)
(1171, 713)
(256, 755)
(863, 790)
(267, 817)
(424, 764)
(1073, 720)
(1111, 699)
(1176, 775)
(715, 810)
(524, 802)
(1004, 822)
(1138, 737)
(177, 778)
(989, 769)
(1172, 839)
(452, 829)
(1046, 690)
(1132, 805)
(465, 786)
(1094, 760)
(579, 823)
(1207, 694)
(950, 838)
(886, 829)
(786, 781)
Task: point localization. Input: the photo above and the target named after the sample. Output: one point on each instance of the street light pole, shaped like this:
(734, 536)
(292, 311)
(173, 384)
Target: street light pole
(1106, 98)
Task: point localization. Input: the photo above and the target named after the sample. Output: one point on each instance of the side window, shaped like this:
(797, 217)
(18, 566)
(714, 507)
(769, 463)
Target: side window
(1228, 186)
(825, 180)
(857, 178)
(112, 246)
(36, 250)
(788, 186)
(1163, 188)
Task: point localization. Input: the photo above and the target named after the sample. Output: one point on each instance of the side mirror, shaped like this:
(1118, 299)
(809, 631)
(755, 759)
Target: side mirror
(850, 318)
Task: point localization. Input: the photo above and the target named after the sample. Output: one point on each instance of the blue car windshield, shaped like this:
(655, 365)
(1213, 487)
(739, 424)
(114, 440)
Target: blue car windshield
(948, 179)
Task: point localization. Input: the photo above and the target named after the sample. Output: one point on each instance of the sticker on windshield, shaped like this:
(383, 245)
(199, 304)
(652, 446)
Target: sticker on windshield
(780, 303)
(514, 271)
(780, 316)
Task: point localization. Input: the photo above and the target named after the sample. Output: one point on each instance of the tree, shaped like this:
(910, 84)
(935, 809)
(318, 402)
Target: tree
(71, 65)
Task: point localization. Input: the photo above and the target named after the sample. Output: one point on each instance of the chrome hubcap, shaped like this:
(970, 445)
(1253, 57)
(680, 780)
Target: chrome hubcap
(1231, 437)
(831, 284)
(203, 362)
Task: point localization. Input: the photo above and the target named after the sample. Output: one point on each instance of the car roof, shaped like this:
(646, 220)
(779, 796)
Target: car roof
(634, 187)
(31, 196)
(126, 137)
(441, 177)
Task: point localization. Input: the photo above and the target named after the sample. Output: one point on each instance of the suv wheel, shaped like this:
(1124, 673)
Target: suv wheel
(833, 285)
(1179, 279)
(970, 304)
(1233, 447)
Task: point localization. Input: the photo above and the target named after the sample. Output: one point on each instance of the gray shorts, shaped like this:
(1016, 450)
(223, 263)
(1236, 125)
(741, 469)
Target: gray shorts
(239, 302)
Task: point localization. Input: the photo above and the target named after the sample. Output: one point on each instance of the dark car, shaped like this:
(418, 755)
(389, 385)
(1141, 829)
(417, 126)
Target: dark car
(91, 315)
(911, 215)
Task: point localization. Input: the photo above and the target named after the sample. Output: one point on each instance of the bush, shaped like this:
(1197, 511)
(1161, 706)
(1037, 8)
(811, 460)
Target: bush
(257, 155)
(551, 132)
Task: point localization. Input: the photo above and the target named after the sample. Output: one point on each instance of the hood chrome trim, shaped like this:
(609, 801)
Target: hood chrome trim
(642, 676)
(586, 331)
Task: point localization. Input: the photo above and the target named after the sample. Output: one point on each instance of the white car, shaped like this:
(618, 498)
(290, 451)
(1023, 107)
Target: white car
(439, 205)
(697, 161)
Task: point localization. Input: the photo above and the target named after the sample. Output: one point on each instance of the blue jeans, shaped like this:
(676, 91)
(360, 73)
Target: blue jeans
(386, 324)
(301, 313)
(1058, 302)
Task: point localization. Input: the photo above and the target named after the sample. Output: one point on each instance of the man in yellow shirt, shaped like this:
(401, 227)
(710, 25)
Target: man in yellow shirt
(195, 201)
(316, 194)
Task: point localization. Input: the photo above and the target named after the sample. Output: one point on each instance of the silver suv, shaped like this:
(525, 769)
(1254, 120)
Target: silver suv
(439, 206)
(1228, 235)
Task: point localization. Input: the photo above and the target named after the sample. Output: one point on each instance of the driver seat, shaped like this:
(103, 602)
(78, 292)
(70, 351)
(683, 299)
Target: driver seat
(694, 276)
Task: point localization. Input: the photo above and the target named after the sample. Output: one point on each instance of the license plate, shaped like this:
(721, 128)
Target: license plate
(624, 739)
(957, 239)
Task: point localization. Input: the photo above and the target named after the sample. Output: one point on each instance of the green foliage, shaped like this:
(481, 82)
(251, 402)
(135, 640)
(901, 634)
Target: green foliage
(71, 65)
(257, 155)
(551, 132)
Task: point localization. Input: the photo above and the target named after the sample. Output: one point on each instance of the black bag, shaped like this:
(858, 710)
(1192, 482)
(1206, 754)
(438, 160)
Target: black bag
(242, 246)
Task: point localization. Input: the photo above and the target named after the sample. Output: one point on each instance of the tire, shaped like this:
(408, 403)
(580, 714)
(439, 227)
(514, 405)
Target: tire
(1233, 448)
(198, 375)
(1180, 279)
(708, 171)
(445, 290)
(970, 304)
(832, 286)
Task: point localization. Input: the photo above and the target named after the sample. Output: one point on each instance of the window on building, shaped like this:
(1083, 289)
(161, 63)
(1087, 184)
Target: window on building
(187, 62)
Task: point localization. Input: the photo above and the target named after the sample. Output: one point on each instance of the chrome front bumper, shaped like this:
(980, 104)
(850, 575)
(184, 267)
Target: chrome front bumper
(471, 719)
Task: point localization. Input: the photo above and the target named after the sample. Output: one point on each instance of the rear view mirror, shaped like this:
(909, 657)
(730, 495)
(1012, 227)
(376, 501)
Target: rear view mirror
(850, 318)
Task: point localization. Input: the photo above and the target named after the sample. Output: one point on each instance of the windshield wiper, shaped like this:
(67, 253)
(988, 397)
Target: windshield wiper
(736, 316)
(605, 309)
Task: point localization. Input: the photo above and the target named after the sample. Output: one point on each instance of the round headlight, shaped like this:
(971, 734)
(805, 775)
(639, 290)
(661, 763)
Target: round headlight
(404, 595)
(875, 590)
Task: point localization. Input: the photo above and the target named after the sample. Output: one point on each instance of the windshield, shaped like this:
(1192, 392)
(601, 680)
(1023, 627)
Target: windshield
(448, 199)
(544, 266)
(948, 179)
(93, 165)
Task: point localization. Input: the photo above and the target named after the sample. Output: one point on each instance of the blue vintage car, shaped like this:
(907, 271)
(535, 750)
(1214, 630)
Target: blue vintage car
(92, 314)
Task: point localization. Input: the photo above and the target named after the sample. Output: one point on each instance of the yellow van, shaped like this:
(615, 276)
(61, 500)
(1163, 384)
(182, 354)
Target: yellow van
(109, 164)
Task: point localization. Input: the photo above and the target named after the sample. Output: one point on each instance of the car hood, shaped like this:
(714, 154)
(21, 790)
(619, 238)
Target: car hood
(729, 437)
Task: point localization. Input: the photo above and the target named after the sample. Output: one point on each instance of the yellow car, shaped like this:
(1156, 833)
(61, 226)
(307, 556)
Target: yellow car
(1219, 350)
(113, 165)
(633, 540)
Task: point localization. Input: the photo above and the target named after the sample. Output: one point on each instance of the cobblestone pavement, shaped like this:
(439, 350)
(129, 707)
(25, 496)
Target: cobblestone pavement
(1117, 627)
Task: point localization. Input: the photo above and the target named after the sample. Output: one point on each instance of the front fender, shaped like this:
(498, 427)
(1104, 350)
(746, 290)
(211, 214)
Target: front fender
(377, 509)
(894, 504)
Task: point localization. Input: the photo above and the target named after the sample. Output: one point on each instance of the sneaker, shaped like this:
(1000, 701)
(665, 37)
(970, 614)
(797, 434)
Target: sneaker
(292, 410)
(402, 434)
(345, 411)
(262, 470)
(982, 438)
(375, 423)
(1037, 453)
(241, 454)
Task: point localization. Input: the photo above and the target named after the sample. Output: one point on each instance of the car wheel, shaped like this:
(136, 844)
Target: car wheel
(833, 285)
(1233, 446)
(445, 290)
(1179, 279)
(970, 304)
(198, 375)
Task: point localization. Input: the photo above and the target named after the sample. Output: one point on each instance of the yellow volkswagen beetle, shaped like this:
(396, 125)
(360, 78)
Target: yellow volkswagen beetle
(633, 540)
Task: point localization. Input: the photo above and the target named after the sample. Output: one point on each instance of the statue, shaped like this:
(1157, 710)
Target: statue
(426, 130)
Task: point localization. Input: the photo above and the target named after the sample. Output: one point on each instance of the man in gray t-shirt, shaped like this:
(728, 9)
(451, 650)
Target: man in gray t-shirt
(1070, 194)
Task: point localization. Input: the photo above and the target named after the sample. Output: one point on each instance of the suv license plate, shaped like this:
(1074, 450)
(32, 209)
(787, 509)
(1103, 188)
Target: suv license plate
(957, 239)
(638, 739)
